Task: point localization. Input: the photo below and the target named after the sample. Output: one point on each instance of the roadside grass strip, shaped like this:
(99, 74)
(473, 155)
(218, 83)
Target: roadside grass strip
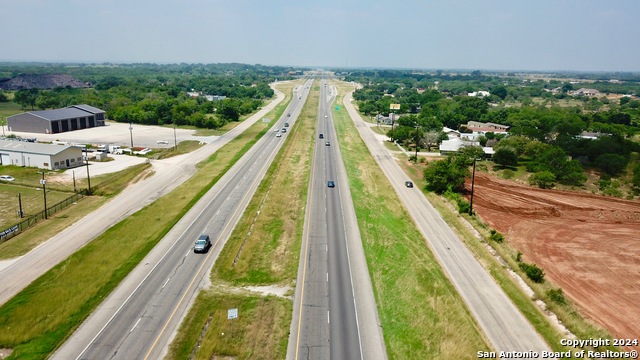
(263, 249)
(37, 320)
(421, 314)
(259, 332)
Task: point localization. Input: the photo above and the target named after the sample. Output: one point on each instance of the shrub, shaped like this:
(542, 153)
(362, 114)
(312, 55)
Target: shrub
(542, 179)
(557, 296)
(463, 206)
(507, 174)
(533, 272)
(496, 236)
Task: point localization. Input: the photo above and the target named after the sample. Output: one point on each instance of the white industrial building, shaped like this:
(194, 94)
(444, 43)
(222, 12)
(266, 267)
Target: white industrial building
(43, 156)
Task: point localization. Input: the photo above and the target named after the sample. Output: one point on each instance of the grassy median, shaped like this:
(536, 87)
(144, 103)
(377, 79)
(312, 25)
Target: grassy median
(37, 320)
(263, 250)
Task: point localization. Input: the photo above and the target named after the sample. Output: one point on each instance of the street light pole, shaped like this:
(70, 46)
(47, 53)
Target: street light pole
(416, 141)
(473, 180)
(131, 134)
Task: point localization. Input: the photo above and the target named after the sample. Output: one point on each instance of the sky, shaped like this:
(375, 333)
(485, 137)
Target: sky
(539, 35)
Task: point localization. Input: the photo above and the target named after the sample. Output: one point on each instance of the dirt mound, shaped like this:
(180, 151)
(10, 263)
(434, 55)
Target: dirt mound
(587, 244)
(41, 81)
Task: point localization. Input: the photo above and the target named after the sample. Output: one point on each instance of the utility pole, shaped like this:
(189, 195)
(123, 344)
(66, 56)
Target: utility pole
(175, 138)
(86, 157)
(44, 192)
(20, 212)
(416, 140)
(473, 180)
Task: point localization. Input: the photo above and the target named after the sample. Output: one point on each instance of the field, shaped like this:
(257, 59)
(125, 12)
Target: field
(588, 245)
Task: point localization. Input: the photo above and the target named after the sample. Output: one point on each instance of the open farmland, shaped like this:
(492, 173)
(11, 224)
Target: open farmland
(586, 244)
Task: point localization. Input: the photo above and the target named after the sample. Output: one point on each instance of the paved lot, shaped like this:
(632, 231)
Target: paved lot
(119, 134)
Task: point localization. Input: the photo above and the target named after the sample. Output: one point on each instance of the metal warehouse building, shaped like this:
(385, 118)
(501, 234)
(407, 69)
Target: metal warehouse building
(44, 156)
(71, 118)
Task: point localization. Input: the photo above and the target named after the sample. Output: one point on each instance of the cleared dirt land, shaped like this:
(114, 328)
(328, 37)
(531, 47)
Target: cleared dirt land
(588, 245)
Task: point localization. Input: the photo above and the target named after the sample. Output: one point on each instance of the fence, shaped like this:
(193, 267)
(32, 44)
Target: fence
(32, 220)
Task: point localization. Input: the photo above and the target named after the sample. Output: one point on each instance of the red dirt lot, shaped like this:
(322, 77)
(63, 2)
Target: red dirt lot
(589, 245)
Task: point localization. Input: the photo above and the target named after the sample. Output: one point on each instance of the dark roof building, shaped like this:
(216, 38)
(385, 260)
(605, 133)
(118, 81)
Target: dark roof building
(75, 117)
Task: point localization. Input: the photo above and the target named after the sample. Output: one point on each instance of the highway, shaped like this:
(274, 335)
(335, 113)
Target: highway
(138, 320)
(168, 173)
(502, 323)
(334, 299)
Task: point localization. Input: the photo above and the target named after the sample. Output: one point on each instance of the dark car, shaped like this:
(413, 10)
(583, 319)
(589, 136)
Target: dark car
(202, 244)
(409, 184)
(331, 184)
(321, 136)
(286, 124)
(327, 143)
(289, 115)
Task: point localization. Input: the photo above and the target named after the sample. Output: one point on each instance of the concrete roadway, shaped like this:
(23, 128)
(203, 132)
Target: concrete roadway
(502, 323)
(334, 314)
(139, 318)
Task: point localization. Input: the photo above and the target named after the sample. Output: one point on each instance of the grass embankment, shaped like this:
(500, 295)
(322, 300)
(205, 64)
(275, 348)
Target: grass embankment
(421, 314)
(567, 313)
(108, 185)
(263, 249)
(37, 320)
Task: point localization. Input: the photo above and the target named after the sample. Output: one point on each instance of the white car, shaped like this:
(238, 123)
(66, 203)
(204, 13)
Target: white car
(6, 178)
(144, 151)
(278, 135)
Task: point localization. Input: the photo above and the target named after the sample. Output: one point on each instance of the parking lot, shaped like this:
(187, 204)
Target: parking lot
(115, 133)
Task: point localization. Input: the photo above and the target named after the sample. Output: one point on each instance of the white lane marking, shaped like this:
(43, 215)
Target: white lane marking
(326, 247)
(134, 326)
(327, 277)
(166, 282)
(328, 318)
(188, 252)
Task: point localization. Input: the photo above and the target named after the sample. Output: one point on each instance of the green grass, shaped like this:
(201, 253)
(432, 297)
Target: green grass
(259, 332)
(43, 315)
(182, 148)
(422, 315)
(32, 202)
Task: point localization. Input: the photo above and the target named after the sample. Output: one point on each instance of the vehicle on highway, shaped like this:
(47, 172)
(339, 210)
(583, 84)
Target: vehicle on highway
(321, 136)
(286, 124)
(6, 178)
(202, 244)
(408, 184)
(326, 143)
(284, 130)
(289, 115)
(325, 116)
(276, 130)
(278, 135)
(331, 184)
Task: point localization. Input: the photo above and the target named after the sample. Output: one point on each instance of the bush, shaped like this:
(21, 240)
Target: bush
(557, 296)
(533, 272)
(463, 206)
(496, 236)
(543, 179)
(507, 174)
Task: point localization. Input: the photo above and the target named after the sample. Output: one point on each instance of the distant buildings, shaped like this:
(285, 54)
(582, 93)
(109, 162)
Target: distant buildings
(56, 121)
(585, 92)
(195, 94)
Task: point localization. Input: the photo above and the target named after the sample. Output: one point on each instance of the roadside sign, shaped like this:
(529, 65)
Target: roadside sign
(232, 314)
(337, 108)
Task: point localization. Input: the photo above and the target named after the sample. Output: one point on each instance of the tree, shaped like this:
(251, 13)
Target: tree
(543, 179)
(612, 164)
(505, 157)
(443, 175)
